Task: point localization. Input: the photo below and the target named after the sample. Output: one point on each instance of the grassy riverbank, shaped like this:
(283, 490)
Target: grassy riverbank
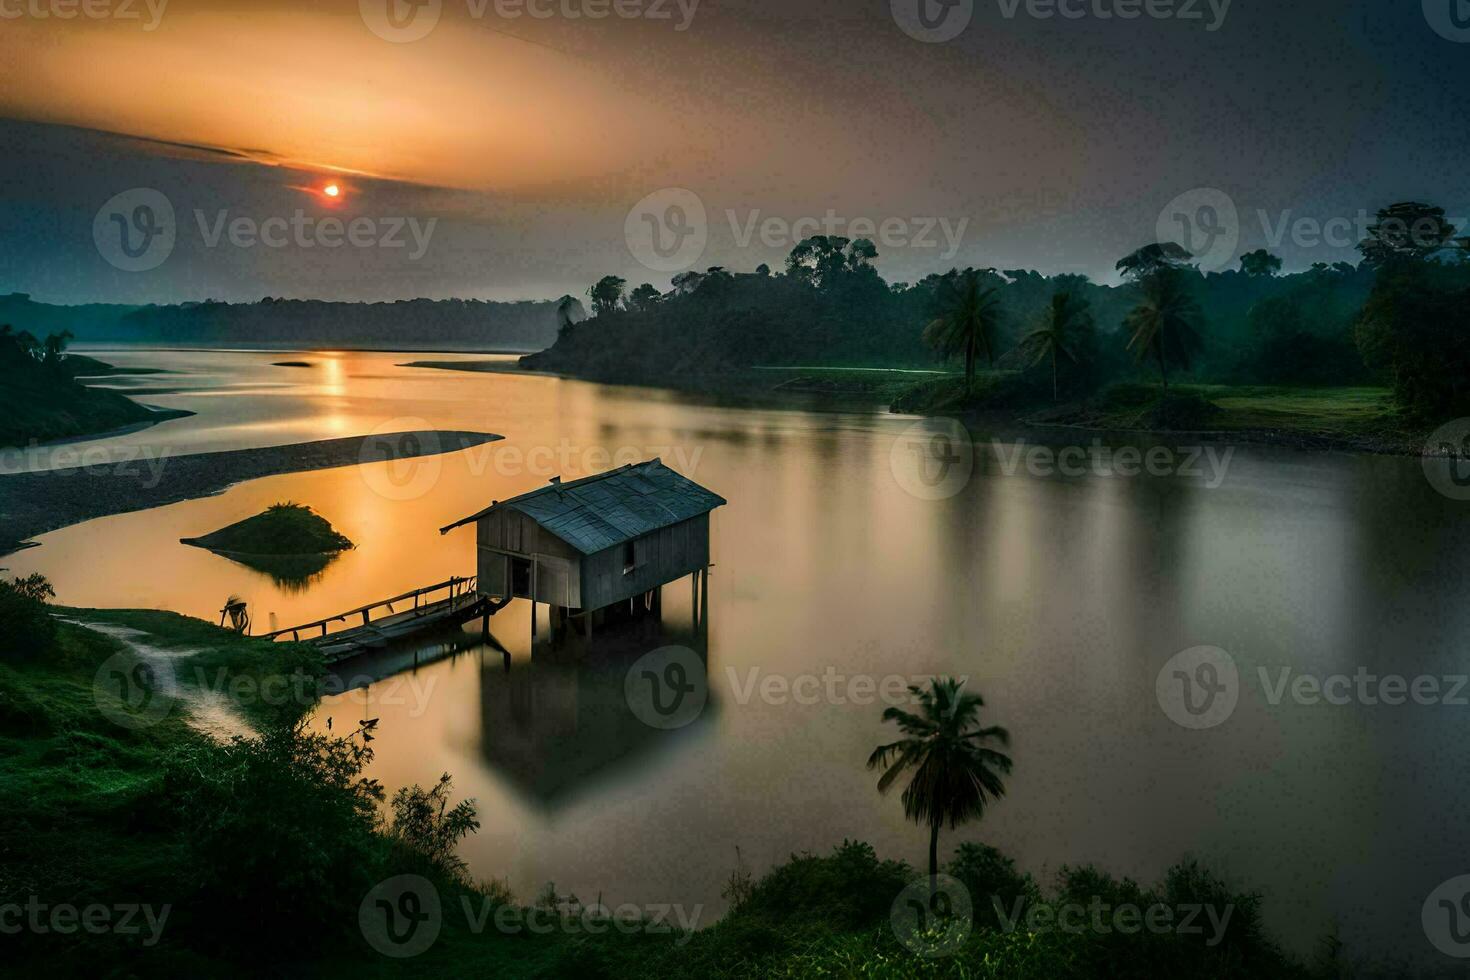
(39, 403)
(257, 853)
(1360, 419)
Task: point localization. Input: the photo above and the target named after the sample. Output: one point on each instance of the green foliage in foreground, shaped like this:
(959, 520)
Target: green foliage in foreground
(24, 620)
(264, 846)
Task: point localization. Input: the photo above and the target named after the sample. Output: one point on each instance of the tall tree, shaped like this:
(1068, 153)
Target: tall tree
(1260, 263)
(956, 772)
(968, 316)
(1406, 232)
(1067, 318)
(606, 294)
(1145, 261)
(1166, 323)
(645, 297)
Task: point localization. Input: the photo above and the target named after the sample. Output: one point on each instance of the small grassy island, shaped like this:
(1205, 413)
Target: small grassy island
(285, 530)
(289, 542)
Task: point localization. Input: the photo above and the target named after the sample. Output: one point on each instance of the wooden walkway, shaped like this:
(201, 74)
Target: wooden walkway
(461, 604)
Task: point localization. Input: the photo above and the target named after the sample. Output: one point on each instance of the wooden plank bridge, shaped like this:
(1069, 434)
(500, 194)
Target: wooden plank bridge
(460, 604)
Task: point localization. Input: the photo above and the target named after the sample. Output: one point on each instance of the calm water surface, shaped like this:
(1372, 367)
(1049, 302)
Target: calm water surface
(1060, 597)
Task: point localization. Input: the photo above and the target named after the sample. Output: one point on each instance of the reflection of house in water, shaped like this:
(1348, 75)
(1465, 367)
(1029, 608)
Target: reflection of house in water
(551, 721)
(597, 550)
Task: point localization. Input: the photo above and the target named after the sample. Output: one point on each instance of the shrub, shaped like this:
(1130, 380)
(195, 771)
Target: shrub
(1415, 331)
(279, 828)
(424, 822)
(26, 627)
(991, 878)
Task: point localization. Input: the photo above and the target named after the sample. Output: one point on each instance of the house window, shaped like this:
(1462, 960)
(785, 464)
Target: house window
(629, 557)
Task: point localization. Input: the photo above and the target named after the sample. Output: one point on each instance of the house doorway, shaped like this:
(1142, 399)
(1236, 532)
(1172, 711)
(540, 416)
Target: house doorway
(520, 577)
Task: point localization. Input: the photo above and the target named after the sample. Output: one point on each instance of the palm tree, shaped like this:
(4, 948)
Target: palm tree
(1166, 323)
(968, 318)
(955, 771)
(1067, 318)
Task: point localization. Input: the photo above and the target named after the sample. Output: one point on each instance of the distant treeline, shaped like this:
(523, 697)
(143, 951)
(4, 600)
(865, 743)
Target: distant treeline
(1395, 314)
(419, 324)
(714, 321)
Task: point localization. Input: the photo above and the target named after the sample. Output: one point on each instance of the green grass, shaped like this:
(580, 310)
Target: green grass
(1353, 415)
(223, 660)
(283, 530)
(1345, 411)
(883, 383)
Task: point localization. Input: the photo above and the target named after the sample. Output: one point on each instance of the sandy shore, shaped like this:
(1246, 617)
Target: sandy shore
(34, 503)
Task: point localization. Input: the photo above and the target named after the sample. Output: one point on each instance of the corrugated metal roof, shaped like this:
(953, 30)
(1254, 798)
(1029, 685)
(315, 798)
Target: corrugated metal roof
(603, 511)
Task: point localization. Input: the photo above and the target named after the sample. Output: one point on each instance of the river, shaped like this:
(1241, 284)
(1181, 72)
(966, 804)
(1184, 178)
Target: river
(1060, 595)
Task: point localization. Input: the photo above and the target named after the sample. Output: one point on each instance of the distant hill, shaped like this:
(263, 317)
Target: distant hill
(419, 324)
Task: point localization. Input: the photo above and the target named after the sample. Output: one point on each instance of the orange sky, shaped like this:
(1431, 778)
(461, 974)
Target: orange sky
(465, 107)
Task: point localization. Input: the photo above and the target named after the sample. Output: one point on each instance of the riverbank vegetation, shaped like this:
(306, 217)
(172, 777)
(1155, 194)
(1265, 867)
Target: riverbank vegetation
(1027, 344)
(255, 852)
(41, 400)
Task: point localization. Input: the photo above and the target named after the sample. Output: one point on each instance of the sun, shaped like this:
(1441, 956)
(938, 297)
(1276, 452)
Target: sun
(332, 190)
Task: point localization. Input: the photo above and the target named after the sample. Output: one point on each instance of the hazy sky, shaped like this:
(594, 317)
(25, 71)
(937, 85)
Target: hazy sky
(496, 149)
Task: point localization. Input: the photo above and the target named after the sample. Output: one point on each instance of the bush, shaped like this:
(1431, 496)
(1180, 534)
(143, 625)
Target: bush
(424, 822)
(992, 878)
(1180, 410)
(280, 832)
(26, 628)
(1415, 332)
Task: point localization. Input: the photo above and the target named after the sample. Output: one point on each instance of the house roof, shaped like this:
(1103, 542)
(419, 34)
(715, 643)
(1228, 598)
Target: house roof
(602, 511)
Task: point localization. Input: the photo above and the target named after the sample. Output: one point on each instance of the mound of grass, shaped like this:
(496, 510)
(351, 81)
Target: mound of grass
(286, 529)
(947, 395)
